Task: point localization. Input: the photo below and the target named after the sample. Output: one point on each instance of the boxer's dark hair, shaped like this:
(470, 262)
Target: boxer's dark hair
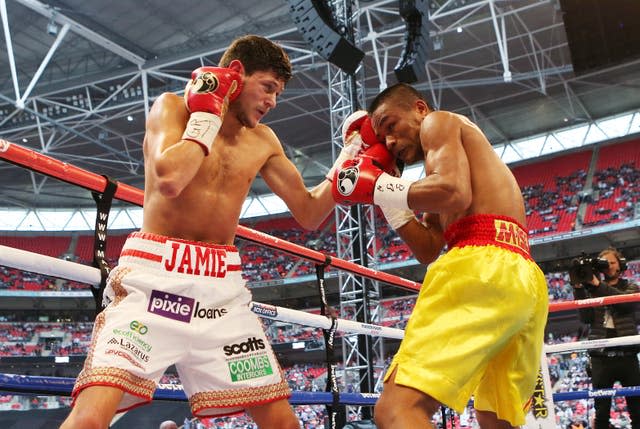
(400, 93)
(258, 53)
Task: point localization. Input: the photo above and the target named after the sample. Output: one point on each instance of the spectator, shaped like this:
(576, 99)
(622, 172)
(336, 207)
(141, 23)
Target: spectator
(613, 363)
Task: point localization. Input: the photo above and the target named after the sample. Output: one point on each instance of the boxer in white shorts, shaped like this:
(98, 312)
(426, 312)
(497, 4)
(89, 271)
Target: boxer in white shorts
(183, 303)
(202, 151)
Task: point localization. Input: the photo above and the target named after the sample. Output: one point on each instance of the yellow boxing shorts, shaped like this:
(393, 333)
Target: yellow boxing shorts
(478, 323)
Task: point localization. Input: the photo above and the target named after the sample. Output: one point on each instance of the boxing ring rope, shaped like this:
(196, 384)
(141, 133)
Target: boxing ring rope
(62, 386)
(47, 265)
(593, 302)
(27, 158)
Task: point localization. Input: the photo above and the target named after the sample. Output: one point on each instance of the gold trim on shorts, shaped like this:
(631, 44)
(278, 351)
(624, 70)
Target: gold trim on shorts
(116, 377)
(120, 293)
(239, 397)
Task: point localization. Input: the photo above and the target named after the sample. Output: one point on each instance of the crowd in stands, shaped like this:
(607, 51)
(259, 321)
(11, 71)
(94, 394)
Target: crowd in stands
(616, 185)
(551, 189)
(44, 338)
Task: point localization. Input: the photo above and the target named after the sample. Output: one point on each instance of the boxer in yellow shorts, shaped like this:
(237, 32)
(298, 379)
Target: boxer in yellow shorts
(478, 324)
(481, 312)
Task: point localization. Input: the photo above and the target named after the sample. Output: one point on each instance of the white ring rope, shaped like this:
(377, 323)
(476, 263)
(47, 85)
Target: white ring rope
(48, 265)
(592, 344)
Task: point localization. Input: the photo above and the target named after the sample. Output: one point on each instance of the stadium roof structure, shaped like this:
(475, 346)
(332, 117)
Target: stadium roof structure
(79, 76)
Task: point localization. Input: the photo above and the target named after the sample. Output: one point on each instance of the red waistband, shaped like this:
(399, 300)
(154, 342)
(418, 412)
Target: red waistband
(486, 229)
(163, 239)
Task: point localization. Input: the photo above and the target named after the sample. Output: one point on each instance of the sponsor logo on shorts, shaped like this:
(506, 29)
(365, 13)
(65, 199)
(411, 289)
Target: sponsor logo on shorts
(511, 234)
(131, 348)
(171, 306)
(133, 337)
(192, 259)
(249, 368)
(251, 345)
(182, 308)
(4, 145)
(264, 309)
(124, 355)
(208, 313)
(138, 327)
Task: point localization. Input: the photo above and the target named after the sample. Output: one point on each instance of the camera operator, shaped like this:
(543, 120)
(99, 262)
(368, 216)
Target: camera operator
(611, 363)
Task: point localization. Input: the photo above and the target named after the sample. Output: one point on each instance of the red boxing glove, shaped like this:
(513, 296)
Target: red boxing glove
(208, 88)
(384, 159)
(360, 180)
(377, 150)
(206, 97)
(354, 181)
(369, 138)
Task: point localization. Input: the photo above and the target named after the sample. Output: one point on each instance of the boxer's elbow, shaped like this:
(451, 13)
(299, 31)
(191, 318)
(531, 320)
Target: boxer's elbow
(169, 183)
(425, 257)
(169, 189)
(308, 222)
(311, 211)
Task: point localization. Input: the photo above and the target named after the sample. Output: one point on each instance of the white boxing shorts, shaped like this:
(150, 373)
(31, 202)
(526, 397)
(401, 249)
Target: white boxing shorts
(178, 302)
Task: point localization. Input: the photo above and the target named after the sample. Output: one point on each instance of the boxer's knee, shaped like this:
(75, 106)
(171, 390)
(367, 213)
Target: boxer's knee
(84, 420)
(391, 412)
(401, 406)
(284, 422)
(274, 415)
(94, 408)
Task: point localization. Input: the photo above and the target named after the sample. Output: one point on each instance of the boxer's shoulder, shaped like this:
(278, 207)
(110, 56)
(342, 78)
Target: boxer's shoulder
(260, 136)
(168, 105)
(169, 100)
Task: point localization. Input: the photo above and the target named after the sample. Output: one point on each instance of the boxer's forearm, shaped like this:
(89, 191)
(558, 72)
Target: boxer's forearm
(425, 243)
(176, 167)
(315, 207)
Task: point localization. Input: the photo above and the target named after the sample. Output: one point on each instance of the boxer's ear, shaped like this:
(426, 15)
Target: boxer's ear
(237, 66)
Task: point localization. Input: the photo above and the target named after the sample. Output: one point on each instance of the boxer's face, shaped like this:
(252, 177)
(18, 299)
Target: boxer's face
(399, 128)
(259, 93)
